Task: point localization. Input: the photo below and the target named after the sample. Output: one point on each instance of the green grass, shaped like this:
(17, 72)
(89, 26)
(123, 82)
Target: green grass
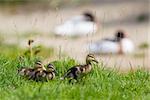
(101, 83)
(10, 50)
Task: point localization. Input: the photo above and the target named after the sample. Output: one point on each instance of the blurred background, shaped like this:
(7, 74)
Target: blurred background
(21, 20)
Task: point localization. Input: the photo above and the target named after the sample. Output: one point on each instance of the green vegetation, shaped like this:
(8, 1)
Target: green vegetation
(143, 17)
(14, 51)
(101, 83)
(144, 45)
(47, 3)
(40, 51)
(10, 50)
(1, 39)
(29, 34)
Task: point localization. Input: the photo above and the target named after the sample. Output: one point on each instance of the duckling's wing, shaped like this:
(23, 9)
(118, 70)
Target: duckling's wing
(21, 71)
(71, 73)
(85, 69)
(31, 74)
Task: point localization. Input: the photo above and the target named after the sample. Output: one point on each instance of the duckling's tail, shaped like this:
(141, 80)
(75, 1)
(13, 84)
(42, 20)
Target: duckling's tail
(66, 75)
(62, 78)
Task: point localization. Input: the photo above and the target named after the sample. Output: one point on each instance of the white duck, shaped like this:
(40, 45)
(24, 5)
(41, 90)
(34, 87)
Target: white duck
(78, 26)
(120, 44)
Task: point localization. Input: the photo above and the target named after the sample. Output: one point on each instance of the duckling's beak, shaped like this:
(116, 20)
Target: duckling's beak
(95, 61)
(44, 68)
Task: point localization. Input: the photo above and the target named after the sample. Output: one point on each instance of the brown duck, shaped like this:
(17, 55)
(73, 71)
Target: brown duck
(32, 73)
(38, 73)
(75, 71)
(27, 72)
(50, 72)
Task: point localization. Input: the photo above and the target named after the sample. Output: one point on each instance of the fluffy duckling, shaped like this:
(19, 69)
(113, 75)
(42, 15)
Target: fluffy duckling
(50, 72)
(38, 72)
(30, 72)
(78, 26)
(75, 71)
(27, 72)
(120, 44)
(39, 66)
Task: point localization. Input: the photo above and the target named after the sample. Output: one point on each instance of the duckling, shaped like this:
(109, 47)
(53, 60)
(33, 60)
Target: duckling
(50, 72)
(27, 72)
(39, 66)
(75, 71)
(38, 72)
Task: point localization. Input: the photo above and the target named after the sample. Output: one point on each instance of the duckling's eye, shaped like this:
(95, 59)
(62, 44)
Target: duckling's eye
(50, 66)
(91, 55)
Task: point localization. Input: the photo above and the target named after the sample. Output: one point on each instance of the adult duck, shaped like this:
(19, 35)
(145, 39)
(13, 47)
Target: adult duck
(120, 44)
(78, 26)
